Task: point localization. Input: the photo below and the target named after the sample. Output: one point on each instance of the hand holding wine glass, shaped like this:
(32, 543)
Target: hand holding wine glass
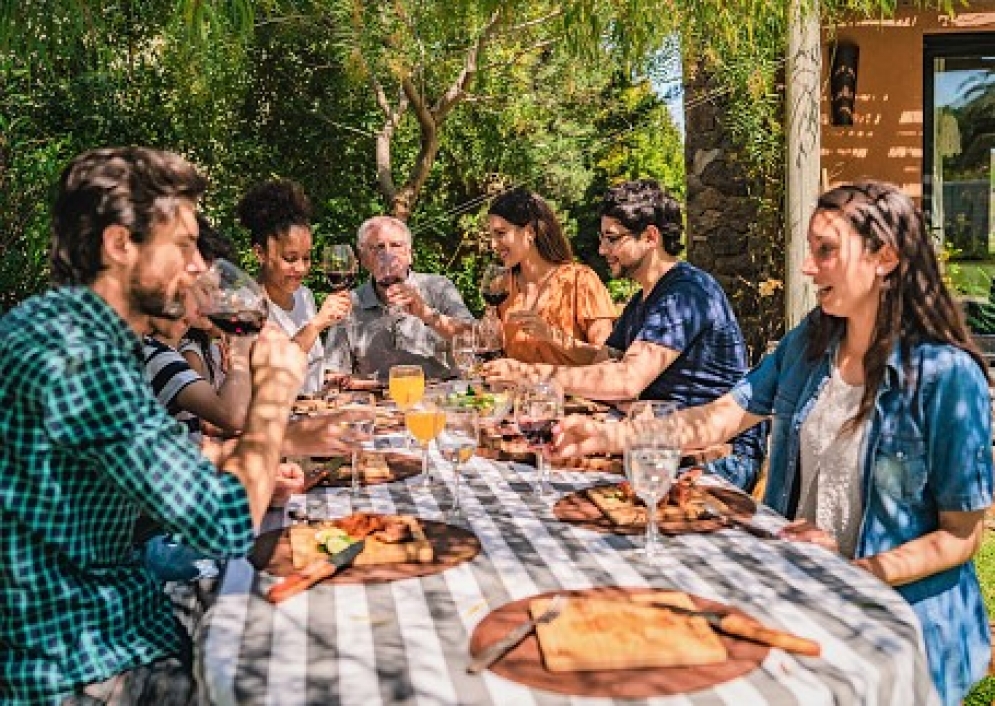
(538, 407)
(231, 299)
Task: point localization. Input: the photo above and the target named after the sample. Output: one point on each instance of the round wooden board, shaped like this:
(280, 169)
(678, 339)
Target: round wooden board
(523, 664)
(576, 508)
(401, 467)
(452, 546)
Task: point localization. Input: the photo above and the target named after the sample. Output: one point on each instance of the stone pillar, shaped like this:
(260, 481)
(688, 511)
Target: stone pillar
(728, 233)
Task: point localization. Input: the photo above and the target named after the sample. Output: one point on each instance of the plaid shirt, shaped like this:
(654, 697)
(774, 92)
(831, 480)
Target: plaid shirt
(83, 447)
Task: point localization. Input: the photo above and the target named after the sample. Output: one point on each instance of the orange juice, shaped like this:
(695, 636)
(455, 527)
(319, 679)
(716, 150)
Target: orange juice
(424, 424)
(406, 391)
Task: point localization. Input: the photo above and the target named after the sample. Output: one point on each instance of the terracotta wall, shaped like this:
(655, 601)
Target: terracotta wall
(886, 140)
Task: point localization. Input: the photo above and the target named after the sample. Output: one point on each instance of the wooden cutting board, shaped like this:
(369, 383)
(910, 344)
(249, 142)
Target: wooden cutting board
(593, 634)
(623, 511)
(304, 549)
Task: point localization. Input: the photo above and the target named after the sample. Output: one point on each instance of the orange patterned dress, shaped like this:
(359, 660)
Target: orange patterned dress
(572, 298)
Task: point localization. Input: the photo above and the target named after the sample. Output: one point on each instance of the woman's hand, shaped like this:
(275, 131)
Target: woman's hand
(335, 308)
(805, 531)
(533, 325)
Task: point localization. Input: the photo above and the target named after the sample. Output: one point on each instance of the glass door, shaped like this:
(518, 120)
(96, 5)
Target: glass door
(959, 164)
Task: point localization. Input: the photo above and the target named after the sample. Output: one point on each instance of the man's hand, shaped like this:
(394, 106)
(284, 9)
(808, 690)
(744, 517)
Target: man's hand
(278, 364)
(405, 296)
(323, 435)
(581, 436)
(289, 481)
(335, 308)
(805, 531)
(511, 371)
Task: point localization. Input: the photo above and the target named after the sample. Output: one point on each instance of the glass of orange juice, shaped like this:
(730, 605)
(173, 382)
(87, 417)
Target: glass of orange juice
(407, 385)
(424, 421)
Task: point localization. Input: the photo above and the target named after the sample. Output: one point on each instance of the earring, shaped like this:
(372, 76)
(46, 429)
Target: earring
(879, 271)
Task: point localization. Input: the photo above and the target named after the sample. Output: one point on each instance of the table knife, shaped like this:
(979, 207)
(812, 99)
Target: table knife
(749, 629)
(499, 649)
(314, 572)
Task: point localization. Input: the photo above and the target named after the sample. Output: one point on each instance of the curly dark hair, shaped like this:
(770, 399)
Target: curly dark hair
(134, 187)
(521, 208)
(272, 208)
(915, 303)
(642, 203)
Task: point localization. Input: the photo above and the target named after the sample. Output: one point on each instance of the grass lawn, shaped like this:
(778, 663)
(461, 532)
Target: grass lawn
(984, 693)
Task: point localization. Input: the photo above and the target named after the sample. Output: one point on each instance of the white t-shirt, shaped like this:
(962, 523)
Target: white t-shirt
(830, 477)
(293, 321)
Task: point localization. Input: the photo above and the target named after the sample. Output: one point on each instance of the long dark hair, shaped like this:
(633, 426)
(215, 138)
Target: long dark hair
(915, 304)
(521, 208)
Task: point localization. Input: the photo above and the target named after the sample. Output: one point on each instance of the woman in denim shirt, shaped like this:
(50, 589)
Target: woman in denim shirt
(918, 431)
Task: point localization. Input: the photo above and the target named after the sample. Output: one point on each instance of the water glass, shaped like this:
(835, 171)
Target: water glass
(357, 417)
(457, 443)
(651, 460)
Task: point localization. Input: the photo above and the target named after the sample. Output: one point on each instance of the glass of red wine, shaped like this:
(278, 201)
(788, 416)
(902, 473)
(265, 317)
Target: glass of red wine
(538, 408)
(232, 299)
(490, 330)
(388, 270)
(338, 263)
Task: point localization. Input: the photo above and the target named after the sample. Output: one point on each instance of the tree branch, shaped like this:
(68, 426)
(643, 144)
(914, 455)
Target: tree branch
(457, 89)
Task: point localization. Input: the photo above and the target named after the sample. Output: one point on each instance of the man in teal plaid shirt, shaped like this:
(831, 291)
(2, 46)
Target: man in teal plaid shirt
(85, 447)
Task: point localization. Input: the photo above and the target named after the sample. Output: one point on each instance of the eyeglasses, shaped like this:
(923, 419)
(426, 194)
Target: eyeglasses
(610, 241)
(381, 247)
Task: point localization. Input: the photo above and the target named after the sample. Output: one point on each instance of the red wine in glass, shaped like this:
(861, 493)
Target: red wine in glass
(389, 281)
(538, 432)
(238, 323)
(494, 298)
(486, 356)
(340, 280)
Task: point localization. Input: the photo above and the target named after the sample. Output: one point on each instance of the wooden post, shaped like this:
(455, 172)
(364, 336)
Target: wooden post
(803, 144)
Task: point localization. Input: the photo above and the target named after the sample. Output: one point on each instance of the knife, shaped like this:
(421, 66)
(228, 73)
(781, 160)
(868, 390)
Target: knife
(714, 512)
(316, 571)
(750, 629)
(499, 649)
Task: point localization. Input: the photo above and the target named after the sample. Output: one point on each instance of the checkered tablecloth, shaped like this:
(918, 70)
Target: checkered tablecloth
(406, 642)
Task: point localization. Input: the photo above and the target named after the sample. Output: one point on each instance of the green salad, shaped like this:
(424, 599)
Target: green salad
(484, 402)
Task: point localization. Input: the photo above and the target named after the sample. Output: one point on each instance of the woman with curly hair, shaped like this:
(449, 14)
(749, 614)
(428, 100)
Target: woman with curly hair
(557, 311)
(277, 215)
(882, 427)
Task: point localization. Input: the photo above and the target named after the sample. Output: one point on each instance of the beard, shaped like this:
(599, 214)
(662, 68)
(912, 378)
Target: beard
(628, 271)
(155, 301)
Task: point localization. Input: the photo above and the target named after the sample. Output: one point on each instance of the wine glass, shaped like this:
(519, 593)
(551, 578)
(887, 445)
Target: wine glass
(356, 414)
(465, 353)
(388, 270)
(231, 299)
(457, 443)
(537, 409)
(424, 421)
(338, 263)
(494, 285)
(652, 455)
(488, 339)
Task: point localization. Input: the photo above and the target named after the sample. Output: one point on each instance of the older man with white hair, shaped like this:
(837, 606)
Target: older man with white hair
(398, 316)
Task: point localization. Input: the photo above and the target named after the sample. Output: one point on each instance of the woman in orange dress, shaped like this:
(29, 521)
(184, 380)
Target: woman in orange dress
(557, 310)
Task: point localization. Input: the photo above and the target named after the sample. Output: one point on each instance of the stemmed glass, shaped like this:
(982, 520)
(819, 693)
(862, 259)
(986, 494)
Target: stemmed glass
(406, 386)
(537, 409)
(387, 272)
(457, 443)
(490, 330)
(231, 299)
(652, 456)
(338, 263)
(357, 415)
(424, 421)
(465, 353)
(494, 285)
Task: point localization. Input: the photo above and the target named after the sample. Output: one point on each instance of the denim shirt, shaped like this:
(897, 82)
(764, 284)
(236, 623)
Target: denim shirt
(928, 449)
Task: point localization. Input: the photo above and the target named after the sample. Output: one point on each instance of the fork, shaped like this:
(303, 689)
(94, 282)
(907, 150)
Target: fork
(503, 646)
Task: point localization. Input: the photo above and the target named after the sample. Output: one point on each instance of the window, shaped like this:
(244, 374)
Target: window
(959, 168)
